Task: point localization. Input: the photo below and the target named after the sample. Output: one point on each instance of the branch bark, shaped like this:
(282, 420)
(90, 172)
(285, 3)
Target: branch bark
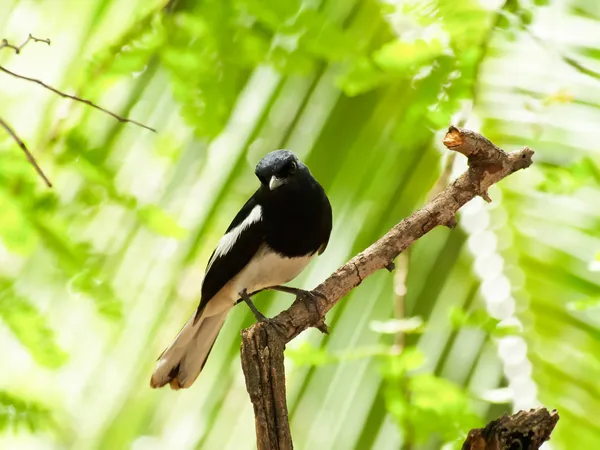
(524, 430)
(264, 342)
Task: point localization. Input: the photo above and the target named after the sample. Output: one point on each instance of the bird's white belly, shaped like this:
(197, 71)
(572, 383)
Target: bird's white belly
(268, 268)
(265, 269)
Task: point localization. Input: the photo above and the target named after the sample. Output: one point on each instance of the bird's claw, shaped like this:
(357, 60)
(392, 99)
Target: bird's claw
(309, 298)
(275, 324)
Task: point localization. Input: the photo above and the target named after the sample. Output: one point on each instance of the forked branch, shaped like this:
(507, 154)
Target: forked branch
(4, 43)
(17, 49)
(264, 342)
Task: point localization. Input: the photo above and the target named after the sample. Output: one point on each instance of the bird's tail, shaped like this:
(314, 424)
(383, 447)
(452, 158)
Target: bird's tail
(181, 363)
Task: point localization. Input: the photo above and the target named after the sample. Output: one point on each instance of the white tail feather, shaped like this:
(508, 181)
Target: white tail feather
(181, 363)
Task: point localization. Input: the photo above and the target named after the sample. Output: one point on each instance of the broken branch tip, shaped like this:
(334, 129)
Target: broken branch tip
(453, 138)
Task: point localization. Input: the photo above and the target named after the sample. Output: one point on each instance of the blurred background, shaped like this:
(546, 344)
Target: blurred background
(98, 274)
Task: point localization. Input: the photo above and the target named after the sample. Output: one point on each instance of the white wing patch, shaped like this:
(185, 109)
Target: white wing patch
(226, 243)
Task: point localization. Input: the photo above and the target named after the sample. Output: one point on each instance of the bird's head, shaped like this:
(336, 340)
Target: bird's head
(280, 168)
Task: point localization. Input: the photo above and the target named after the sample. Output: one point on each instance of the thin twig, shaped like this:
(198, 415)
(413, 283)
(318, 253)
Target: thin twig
(30, 157)
(5, 44)
(580, 67)
(77, 99)
(567, 59)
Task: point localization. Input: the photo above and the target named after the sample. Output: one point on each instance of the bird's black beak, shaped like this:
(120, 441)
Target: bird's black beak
(275, 182)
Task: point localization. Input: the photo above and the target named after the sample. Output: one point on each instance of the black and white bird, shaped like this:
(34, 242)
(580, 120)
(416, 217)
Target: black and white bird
(284, 225)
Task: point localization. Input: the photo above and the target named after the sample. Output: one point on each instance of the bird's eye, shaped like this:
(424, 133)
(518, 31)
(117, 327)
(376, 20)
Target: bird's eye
(293, 167)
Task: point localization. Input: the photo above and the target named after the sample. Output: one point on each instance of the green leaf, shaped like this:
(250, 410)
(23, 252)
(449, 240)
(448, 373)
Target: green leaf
(206, 65)
(502, 395)
(594, 265)
(587, 304)
(81, 266)
(428, 405)
(30, 327)
(397, 366)
(394, 326)
(16, 231)
(458, 317)
(315, 29)
(401, 57)
(569, 178)
(160, 222)
(308, 355)
(88, 282)
(17, 413)
(440, 407)
(269, 13)
(167, 146)
(131, 51)
(480, 319)
(361, 76)
(504, 329)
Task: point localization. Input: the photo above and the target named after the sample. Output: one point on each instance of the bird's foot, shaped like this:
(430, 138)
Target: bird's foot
(309, 298)
(260, 317)
(246, 298)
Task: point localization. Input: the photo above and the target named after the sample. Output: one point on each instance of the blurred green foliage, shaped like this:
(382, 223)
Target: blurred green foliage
(16, 413)
(30, 327)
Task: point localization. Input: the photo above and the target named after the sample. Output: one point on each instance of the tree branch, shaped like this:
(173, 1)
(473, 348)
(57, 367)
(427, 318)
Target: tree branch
(264, 342)
(30, 157)
(523, 430)
(77, 99)
(5, 44)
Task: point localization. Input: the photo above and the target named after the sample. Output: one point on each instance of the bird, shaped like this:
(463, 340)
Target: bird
(284, 225)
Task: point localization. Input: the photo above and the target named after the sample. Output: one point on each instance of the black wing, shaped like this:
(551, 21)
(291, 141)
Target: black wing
(227, 266)
(326, 222)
